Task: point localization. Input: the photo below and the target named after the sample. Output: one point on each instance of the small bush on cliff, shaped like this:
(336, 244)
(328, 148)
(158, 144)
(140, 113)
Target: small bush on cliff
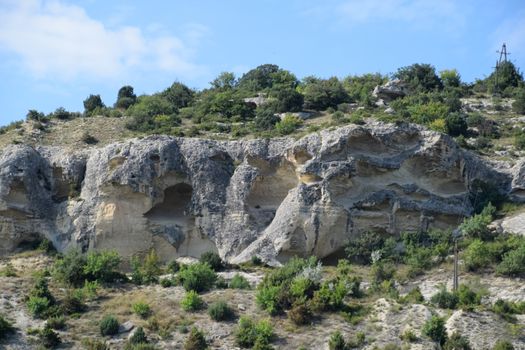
(196, 340)
(239, 282)
(198, 277)
(220, 311)
(48, 337)
(213, 259)
(141, 309)
(192, 301)
(457, 342)
(146, 271)
(434, 328)
(249, 332)
(513, 263)
(109, 325)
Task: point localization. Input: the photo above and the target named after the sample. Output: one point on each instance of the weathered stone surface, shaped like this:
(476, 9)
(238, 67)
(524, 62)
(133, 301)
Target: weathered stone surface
(272, 198)
(391, 90)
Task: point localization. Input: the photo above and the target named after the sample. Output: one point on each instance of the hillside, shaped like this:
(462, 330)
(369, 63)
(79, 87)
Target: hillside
(325, 215)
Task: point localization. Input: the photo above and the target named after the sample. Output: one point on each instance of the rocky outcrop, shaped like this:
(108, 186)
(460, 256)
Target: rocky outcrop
(391, 90)
(271, 198)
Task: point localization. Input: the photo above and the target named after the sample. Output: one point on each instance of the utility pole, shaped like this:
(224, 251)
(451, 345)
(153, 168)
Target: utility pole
(502, 59)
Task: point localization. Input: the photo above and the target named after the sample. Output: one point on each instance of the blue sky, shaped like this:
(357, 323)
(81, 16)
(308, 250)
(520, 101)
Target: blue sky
(55, 53)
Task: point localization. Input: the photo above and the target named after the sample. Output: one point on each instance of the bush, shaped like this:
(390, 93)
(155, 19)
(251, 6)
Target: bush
(196, 340)
(468, 298)
(336, 341)
(70, 268)
(138, 337)
(503, 345)
(147, 271)
(476, 255)
(167, 282)
(256, 261)
(268, 299)
(300, 314)
(48, 337)
(102, 266)
(434, 328)
(38, 306)
(213, 260)
(125, 97)
(249, 333)
(456, 342)
(239, 282)
(220, 311)
(141, 309)
(456, 124)
(288, 124)
(56, 322)
(73, 302)
(518, 106)
(445, 299)
(419, 77)
(91, 103)
(408, 335)
(360, 250)
(477, 226)
(513, 263)
(173, 266)
(330, 295)
(5, 327)
(192, 301)
(198, 277)
(109, 325)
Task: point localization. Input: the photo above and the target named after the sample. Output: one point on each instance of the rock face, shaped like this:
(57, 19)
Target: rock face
(390, 90)
(271, 198)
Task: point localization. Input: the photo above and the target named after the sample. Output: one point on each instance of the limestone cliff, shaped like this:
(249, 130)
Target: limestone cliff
(272, 198)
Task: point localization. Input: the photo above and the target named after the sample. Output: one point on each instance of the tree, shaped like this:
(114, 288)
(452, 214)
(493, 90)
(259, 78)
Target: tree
(456, 124)
(91, 103)
(178, 94)
(265, 119)
(33, 114)
(519, 103)
(450, 78)
(289, 100)
(126, 97)
(506, 75)
(225, 81)
(419, 77)
(319, 94)
(258, 78)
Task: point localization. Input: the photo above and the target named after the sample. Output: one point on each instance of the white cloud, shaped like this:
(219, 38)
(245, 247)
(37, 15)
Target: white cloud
(53, 39)
(420, 12)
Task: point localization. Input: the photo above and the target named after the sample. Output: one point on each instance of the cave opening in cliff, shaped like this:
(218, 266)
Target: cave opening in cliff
(174, 209)
(268, 192)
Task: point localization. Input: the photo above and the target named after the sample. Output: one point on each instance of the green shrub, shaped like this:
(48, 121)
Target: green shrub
(102, 266)
(109, 325)
(167, 282)
(239, 282)
(467, 298)
(330, 295)
(213, 260)
(8, 271)
(196, 340)
(70, 268)
(73, 302)
(456, 124)
(138, 337)
(503, 345)
(477, 255)
(256, 261)
(147, 271)
(408, 335)
(173, 266)
(360, 249)
(268, 299)
(220, 311)
(513, 263)
(288, 124)
(300, 314)
(38, 306)
(477, 226)
(5, 327)
(41, 289)
(56, 322)
(413, 297)
(445, 299)
(434, 328)
(192, 301)
(48, 337)
(518, 106)
(336, 341)
(456, 342)
(198, 277)
(221, 283)
(248, 332)
(141, 309)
